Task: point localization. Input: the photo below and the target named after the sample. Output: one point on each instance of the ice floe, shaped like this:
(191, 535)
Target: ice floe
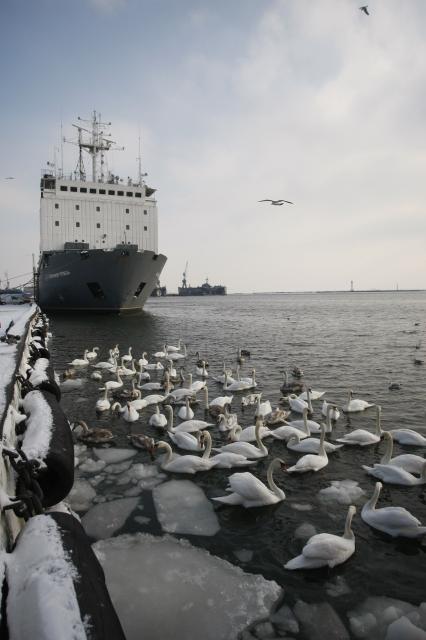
(81, 495)
(319, 621)
(202, 596)
(342, 491)
(382, 618)
(113, 455)
(182, 507)
(243, 555)
(104, 519)
(305, 531)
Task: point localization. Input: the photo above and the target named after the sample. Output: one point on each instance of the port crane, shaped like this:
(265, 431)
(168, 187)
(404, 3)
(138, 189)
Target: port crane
(184, 281)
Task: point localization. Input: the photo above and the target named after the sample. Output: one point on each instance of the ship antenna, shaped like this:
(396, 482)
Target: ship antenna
(139, 159)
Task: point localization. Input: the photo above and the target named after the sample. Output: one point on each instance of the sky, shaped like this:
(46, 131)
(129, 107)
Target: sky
(312, 101)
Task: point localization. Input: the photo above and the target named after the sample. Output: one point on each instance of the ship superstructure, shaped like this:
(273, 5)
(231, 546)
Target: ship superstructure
(98, 238)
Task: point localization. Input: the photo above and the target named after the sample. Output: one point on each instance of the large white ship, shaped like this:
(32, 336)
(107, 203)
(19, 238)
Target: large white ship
(98, 237)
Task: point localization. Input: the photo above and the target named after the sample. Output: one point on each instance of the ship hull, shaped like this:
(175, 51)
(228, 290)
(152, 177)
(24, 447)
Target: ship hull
(97, 281)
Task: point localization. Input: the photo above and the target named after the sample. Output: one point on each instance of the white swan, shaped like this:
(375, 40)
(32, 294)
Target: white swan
(202, 371)
(154, 398)
(150, 386)
(395, 521)
(355, 405)
(408, 437)
(95, 375)
(105, 365)
(142, 360)
(187, 463)
(263, 409)
(177, 356)
(80, 362)
(125, 371)
(297, 405)
(92, 355)
(158, 419)
(161, 354)
(186, 413)
(193, 425)
(237, 385)
(221, 378)
(138, 403)
(362, 437)
(228, 460)
(250, 399)
(332, 408)
(312, 462)
(103, 404)
(245, 448)
(396, 475)
(220, 401)
(315, 395)
(128, 356)
(182, 439)
(251, 381)
(129, 412)
(174, 349)
(309, 445)
(249, 491)
(112, 384)
(182, 392)
(407, 461)
(278, 416)
(306, 425)
(326, 549)
(197, 386)
(248, 434)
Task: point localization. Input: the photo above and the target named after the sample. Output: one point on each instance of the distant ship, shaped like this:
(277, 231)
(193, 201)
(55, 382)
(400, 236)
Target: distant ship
(205, 289)
(98, 238)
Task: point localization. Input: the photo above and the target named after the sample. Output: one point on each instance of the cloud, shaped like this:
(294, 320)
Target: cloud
(108, 6)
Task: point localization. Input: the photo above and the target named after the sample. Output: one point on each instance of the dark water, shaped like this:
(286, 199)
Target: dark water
(361, 341)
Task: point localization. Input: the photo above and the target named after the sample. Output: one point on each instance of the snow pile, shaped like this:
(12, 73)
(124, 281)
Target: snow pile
(342, 491)
(39, 425)
(182, 507)
(382, 618)
(181, 591)
(42, 602)
(39, 374)
(103, 520)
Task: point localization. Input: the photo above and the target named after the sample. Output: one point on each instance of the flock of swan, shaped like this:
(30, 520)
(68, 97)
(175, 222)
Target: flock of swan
(177, 395)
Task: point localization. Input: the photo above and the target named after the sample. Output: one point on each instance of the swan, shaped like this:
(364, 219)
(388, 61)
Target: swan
(396, 475)
(200, 360)
(297, 405)
(92, 436)
(278, 416)
(315, 395)
(251, 381)
(138, 403)
(158, 419)
(153, 366)
(193, 425)
(103, 404)
(291, 387)
(362, 437)
(197, 386)
(182, 439)
(95, 375)
(186, 413)
(249, 491)
(221, 378)
(287, 431)
(180, 394)
(248, 434)
(395, 521)
(306, 425)
(174, 349)
(250, 399)
(246, 449)
(112, 384)
(408, 437)
(263, 409)
(355, 405)
(228, 460)
(143, 375)
(150, 386)
(332, 408)
(177, 356)
(129, 412)
(217, 405)
(187, 463)
(142, 360)
(154, 398)
(297, 372)
(172, 371)
(407, 461)
(226, 422)
(202, 371)
(128, 356)
(124, 371)
(312, 462)
(237, 385)
(326, 549)
(80, 362)
(309, 445)
(161, 354)
(92, 355)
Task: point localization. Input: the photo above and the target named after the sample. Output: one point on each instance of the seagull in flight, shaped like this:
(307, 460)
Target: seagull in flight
(365, 9)
(10, 178)
(278, 203)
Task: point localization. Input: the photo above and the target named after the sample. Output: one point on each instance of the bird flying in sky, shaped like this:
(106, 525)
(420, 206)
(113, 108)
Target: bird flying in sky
(276, 202)
(365, 9)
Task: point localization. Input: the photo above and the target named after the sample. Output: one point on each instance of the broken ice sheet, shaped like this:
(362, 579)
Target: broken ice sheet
(81, 495)
(104, 519)
(113, 456)
(202, 595)
(342, 492)
(182, 507)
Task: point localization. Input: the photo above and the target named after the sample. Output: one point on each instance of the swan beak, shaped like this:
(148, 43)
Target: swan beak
(283, 466)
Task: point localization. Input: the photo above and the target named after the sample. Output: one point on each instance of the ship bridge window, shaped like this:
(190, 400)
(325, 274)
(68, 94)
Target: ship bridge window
(96, 290)
(111, 192)
(127, 227)
(73, 189)
(102, 192)
(83, 189)
(145, 228)
(98, 208)
(138, 194)
(56, 205)
(120, 193)
(139, 289)
(77, 224)
(129, 194)
(56, 223)
(77, 207)
(155, 256)
(98, 225)
(145, 212)
(92, 190)
(127, 210)
(64, 188)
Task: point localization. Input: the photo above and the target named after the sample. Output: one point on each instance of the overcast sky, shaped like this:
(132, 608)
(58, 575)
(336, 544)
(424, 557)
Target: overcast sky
(236, 100)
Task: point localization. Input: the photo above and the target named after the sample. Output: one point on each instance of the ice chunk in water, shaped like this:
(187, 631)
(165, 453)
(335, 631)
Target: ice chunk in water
(182, 507)
(243, 555)
(118, 468)
(337, 588)
(81, 495)
(202, 595)
(320, 621)
(299, 506)
(342, 491)
(403, 628)
(103, 520)
(376, 615)
(305, 531)
(113, 456)
(92, 466)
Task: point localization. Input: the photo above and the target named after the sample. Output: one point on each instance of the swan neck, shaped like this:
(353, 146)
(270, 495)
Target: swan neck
(305, 423)
(169, 452)
(371, 504)
(208, 448)
(169, 419)
(270, 477)
(259, 441)
(387, 456)
(321, 451)
(349, 534)
(378, 422)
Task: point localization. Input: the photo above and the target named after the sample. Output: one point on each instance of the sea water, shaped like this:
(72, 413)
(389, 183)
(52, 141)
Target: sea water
(342, 341)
